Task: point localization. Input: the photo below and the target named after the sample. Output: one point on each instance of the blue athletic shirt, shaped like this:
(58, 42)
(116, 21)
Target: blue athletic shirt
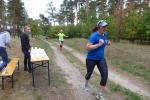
(98, 53)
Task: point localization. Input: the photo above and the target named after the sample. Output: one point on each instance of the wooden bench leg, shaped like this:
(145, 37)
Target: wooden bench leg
(12, 79)
(18, 65)
(2, 82)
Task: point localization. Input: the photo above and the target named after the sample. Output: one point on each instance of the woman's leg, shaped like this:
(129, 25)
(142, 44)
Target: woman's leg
(102, 66)
(60, 44)
(90, 64)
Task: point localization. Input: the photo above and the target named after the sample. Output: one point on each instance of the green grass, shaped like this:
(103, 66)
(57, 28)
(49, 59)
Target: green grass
(128, 95)
(137, 70)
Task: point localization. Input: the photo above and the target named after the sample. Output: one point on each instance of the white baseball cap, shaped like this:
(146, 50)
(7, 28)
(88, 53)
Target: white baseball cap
(102, 23)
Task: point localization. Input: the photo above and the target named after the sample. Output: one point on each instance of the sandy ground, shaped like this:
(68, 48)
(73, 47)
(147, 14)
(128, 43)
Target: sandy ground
(73, 76)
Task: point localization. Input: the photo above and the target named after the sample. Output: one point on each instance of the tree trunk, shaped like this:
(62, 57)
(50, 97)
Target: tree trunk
(118, 17)
(102, 8)
(87, 7)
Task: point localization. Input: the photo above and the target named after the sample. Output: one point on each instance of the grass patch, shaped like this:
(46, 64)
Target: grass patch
(137, 70)
(127, 93)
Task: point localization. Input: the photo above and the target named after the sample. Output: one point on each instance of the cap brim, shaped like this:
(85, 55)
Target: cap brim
(103, 24)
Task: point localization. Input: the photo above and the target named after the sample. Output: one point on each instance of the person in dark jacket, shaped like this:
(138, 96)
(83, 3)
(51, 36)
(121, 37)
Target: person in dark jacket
(25, 45)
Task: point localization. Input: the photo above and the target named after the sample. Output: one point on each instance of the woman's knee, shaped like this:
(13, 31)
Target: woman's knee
(88, 76)
(103, 81)
(104, 78)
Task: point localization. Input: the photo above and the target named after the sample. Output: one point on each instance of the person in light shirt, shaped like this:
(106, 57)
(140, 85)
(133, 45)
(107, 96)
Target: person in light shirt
(4, 41)
(61, 36)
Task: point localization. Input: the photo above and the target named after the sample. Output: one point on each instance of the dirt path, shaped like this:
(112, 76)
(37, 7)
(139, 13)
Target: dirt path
(123, 80)
(73, 76)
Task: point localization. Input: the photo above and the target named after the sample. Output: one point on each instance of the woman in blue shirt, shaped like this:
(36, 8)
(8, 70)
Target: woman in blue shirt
(96, 46)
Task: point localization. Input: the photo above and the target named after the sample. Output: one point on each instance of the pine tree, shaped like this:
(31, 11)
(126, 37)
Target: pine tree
(2, 14)
(17, 14)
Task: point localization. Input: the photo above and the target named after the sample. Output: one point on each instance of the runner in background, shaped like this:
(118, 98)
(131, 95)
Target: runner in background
(61, 36)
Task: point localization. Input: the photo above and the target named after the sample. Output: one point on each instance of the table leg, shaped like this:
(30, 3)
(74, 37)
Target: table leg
(48, 74)
(2, 82)
(12, 79)
(32, 74)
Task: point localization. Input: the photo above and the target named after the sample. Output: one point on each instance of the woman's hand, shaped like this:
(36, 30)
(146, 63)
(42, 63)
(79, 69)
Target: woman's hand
(108, 42)
(91, 46)
(101, 42)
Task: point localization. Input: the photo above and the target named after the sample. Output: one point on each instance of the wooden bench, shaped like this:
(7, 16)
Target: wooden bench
(8, 71)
